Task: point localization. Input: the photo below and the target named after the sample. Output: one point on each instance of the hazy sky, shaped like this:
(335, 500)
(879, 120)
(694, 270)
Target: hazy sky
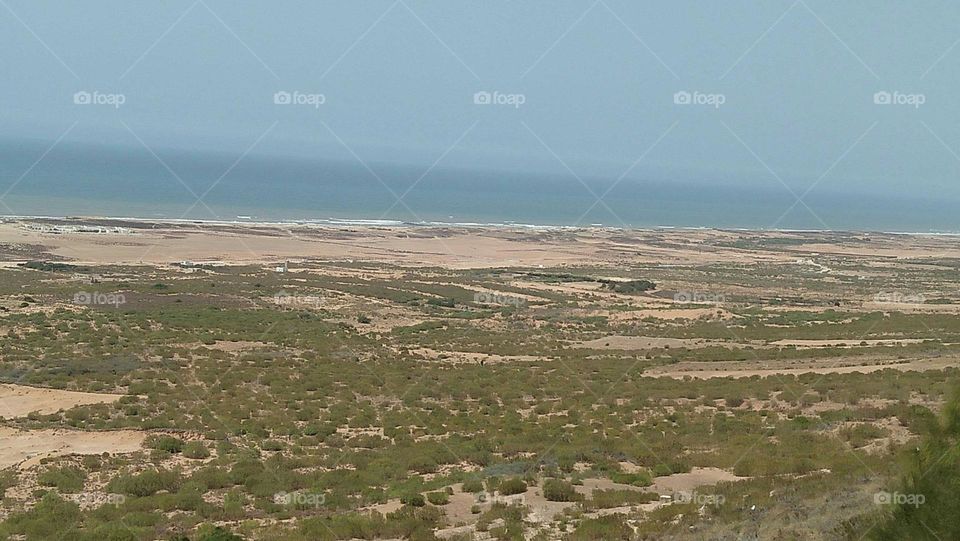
(788, 86)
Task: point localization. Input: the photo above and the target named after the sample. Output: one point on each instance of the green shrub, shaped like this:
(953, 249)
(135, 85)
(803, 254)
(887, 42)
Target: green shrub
(438, 498)
(196, 449)
(472, 485)
(606, 499)
(928, 506)
(68, 480)
(217, 533)
(558, 490)
(513, 485)
(49, 519)
(641, 479)
(271, 445)
(166, 443)
(146, 483)
(414, 499)
(609, 528)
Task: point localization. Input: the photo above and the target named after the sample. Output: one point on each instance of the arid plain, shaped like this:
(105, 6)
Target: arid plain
(296, 381)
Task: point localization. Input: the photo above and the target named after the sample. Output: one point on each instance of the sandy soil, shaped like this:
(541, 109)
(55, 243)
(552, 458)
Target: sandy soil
(27, 448)
(836, 343)
(20, 400)
(695, 478)
(706, 370)
(452, 246)
(471, 357)
(649, 342)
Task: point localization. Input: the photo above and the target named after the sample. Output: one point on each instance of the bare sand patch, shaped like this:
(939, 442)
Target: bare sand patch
(689, 481)
(21, 400)
(675, 314)
(472, 357)
(846, 343)
(650, 342)
(706, 370)
(27, 447)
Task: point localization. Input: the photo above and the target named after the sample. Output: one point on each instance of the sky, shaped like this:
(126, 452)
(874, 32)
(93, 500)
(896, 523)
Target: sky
(765, 94)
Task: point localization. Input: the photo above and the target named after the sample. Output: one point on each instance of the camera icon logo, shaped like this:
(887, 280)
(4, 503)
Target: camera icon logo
(282, 98)
(482, 98)
(82, 297)
(682, 98)
(882, 98)
(82, 98)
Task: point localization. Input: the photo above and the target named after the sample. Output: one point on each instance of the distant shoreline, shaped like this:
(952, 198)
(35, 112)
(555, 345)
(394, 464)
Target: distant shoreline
(373, 223)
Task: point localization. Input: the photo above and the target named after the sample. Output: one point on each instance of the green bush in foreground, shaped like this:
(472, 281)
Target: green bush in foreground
(926, 505)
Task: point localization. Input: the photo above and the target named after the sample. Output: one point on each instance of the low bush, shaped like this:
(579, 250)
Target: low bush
(514, 485)
(438, 498)
(558, 490)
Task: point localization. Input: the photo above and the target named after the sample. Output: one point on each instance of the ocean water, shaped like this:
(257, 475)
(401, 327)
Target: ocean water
(129, 182)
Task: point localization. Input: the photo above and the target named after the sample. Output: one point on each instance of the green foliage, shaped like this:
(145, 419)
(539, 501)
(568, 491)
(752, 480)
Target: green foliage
(612, 528)
(606, 499)
(218, 533)
(67, 480)
(473, 485)
(558, 490)
(196, 450)
(631, 287)
(438, 498)
(925, 506)
(639, 479)
(163, 442)
(413, 499)
(513, 485)
(49, 519)
(146, 483)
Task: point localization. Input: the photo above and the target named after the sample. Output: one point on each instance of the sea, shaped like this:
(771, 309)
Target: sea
(85, 180)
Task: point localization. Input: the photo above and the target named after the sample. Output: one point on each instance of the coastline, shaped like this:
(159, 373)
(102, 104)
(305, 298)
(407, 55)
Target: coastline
(98, 241)
(378, 223)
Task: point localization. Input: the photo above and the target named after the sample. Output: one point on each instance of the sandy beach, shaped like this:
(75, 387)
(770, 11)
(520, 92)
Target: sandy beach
(157, 242)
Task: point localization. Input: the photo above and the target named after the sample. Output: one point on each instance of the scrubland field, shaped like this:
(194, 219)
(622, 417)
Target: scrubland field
(451, 383)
